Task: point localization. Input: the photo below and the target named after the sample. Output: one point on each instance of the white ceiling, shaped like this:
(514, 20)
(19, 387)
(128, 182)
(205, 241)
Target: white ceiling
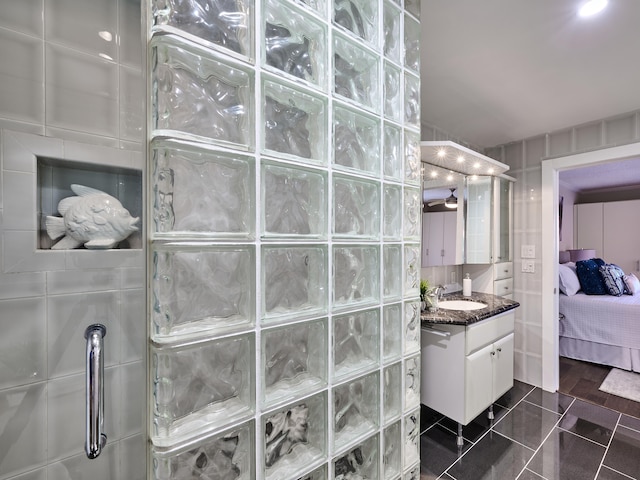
(498, 71)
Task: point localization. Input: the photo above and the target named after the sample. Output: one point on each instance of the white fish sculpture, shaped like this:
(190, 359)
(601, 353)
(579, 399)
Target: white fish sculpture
(93, 218)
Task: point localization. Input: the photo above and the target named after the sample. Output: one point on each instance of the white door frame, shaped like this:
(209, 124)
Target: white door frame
(550, 243)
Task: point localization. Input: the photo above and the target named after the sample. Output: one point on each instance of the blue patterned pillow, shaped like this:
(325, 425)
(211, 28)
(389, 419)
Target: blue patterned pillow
(613, 277)
(591, 281)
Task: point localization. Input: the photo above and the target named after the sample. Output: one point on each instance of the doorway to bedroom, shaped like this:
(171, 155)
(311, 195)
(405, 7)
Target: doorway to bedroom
(574, 376)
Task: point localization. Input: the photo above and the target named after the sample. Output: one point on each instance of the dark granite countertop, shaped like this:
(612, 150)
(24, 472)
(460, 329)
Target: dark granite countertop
(495, 306)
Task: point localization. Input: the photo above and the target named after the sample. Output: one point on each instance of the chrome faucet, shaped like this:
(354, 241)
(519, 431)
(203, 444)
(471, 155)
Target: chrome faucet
(434, 296)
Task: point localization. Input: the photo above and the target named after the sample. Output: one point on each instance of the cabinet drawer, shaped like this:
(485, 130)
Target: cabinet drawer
(503, 287)
(488, 331)
(502, 270)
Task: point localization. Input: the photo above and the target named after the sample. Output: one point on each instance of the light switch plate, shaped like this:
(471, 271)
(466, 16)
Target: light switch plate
(528, 251)
(528, 266)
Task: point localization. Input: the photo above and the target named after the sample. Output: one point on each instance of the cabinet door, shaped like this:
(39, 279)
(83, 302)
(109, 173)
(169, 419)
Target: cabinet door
(587, 226)
(478, 382)
(433, 235)
(449, 223)
(502, 366)
(621, 231)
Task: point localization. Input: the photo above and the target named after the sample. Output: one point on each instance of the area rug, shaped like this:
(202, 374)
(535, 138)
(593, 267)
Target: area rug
(622, 384)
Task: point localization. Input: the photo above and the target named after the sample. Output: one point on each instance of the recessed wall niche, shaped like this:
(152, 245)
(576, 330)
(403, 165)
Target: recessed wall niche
(55, 177)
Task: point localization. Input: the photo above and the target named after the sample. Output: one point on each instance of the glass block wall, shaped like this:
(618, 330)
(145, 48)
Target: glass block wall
(284, 228)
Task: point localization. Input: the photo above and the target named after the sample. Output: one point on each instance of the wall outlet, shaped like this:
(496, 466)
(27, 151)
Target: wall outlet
(528, 266)
(528, 251)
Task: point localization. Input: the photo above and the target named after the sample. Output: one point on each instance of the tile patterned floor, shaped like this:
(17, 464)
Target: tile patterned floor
(535, 435)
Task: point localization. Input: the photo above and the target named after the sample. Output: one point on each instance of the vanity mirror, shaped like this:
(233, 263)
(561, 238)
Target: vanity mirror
(461, 204)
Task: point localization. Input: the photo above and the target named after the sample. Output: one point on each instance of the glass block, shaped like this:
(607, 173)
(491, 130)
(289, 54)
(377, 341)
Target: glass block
(412, 438)
(393, 159)
(412, 271)
(200, 289)
(412, 383)
(412, 43)
(359, 17)
(198, 191)
(356, 208)
(295, 360)
(413, 474)
(318, 5)
(413, 7)
(356, 141)
(320, 473)
(412, 100)
(392, 272)
(200, 95)
(356, 276)
(356, 343)
(392, 92)
(294, 202)
(411, 327)
(392, 212)
(392, 332)
(226, 24)
(355, 409)
(294, 123)
(229, 454)
(391, 31)
(392, 450)
(295, 437)
(294, 42)
(359, 462)
(392, 392)
(356, 71)
(412, 165)
(294, 281)
(412, 213)
(200, 386)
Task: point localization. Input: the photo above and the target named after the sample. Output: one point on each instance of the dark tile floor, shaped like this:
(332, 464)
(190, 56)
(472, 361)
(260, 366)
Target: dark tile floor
(535, 435)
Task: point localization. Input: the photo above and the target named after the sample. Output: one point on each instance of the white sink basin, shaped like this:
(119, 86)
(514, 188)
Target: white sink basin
(461, 305)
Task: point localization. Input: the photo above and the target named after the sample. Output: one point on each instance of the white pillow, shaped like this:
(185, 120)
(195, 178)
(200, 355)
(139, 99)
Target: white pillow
(632, 283)
(568, 281)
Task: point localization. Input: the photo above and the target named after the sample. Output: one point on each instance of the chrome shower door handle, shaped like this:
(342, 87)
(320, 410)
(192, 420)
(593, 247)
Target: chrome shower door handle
(95, 439)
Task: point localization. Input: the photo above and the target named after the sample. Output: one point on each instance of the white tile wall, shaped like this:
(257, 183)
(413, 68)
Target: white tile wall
(69, 315)
(21, 77)
(81, 91)
(24, 16)
(22, 423)
(77, 25)
(23, 341)
(88, 118)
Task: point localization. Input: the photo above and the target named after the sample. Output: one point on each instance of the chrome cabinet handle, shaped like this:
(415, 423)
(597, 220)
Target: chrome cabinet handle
(95, 439)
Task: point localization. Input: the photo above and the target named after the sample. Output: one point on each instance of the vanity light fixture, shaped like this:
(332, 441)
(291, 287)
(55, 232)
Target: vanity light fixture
(457, 158)
(592, 7)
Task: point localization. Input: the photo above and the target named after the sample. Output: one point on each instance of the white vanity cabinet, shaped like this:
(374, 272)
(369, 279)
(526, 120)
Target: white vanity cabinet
(467, 368)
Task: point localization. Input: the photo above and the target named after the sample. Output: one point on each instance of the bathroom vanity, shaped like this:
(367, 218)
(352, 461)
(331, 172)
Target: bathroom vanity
(467, 356)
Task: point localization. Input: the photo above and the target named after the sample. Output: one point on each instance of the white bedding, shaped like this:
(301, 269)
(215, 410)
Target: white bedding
(601, 329)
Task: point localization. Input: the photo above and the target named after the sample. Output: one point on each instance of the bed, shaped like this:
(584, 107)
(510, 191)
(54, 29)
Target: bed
(602, 329)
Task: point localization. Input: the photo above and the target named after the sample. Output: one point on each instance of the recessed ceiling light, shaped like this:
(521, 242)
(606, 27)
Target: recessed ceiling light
(460, 159)
(442, 152)
(592, 7)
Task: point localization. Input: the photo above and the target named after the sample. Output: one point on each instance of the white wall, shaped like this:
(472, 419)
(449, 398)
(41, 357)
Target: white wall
(67, 93)
(524, 158)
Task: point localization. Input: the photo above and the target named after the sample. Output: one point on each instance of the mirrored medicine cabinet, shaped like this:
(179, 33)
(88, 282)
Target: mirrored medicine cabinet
(467, 214)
